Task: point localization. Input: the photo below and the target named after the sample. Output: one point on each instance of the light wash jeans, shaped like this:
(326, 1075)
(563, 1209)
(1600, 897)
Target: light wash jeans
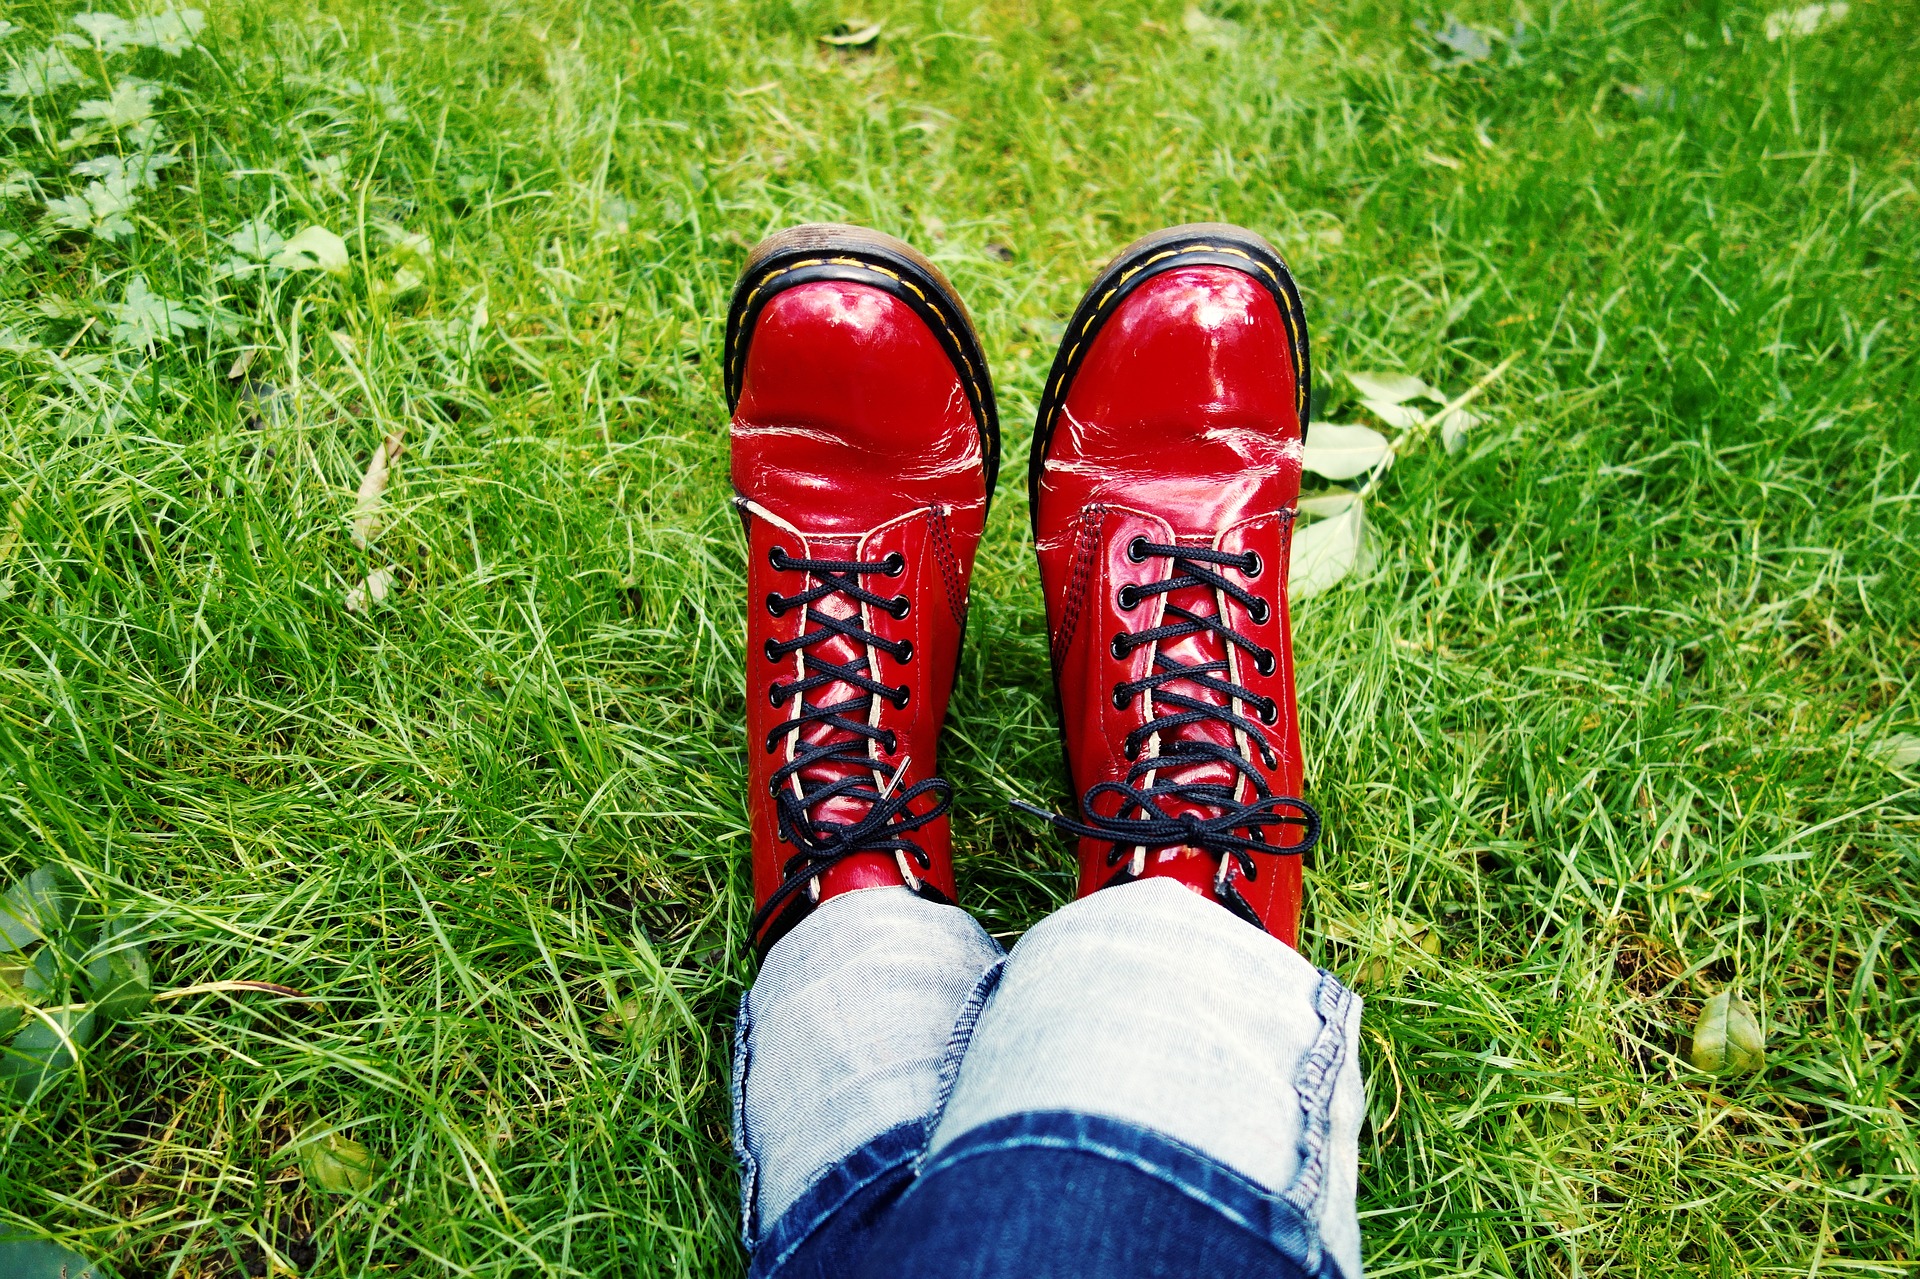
(910, 1100)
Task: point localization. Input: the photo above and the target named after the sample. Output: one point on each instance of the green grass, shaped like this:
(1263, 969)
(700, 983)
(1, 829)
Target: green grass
(1600, 714)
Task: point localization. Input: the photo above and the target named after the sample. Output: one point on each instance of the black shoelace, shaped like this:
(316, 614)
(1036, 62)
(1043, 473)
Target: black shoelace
(824, 844)
(1238, 829)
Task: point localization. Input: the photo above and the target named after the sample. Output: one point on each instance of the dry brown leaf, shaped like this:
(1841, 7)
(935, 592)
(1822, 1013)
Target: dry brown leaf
(378, 585)
(370, 501)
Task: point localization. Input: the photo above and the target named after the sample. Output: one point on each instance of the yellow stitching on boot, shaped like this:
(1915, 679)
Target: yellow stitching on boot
(733, 355)
(1286, 316)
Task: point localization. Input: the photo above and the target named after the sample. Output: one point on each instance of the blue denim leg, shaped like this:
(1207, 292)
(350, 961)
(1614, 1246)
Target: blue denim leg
(1058, 1195)
(846, 1046)
(1151, 1007)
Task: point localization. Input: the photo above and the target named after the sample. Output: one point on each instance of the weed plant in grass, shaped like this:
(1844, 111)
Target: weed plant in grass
(1597, 728)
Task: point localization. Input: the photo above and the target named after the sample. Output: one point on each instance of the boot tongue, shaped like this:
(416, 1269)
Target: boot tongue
(839, 651)
(1194, 650)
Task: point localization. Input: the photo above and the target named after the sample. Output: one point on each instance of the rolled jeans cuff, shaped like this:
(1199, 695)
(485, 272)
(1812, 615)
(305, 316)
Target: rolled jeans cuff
(1150, 1005)
(854, 1029)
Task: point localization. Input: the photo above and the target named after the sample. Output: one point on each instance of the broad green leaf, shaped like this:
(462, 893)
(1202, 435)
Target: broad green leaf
(1398, 416)
(257, 240)
(107, 32)
(145, 318)
(130, 103)
(43, 1050)
(38, 906)
(126, 174)
(41, 982)
(11, 1015)
(1902, 750)
(337, 1165)
(1727, 1039)
(171, 32)
(1803, 21)
(1393, 388)
(119, 983)
(314, 249)
(1322, 505)
(40, 73)
(1454, 427)
(44, 1259)
(1326, 551)
(100, 210)
(1342, 452)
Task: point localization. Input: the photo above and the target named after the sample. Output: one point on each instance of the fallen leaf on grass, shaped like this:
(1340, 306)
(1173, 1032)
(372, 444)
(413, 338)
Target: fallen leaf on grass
(369, 502)
(1902, 750)
(378, 585)
(1454, 427)
(314, 249)
(44, 1049)
(1386, 396)
(1727, 1039)
(1466, 44)
(1325, 552)
(1342, 452)
(337, 1165)
(16, 519)
(1207, 29)
(1395, 946)
(853, 33)
(216, 987)
(624, 1018)
(1322, 505)
(1803, 21)
(44, 1259)
(1393, 388)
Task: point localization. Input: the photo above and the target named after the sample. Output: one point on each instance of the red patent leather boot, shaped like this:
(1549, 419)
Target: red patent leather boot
(864, 451)
(1166, 465)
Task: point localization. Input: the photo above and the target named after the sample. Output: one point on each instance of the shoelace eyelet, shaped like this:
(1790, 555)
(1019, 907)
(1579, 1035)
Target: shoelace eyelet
(1257, 567)
(1261, 613)
(893, 741)
(896, 564)
(1120, 698)
(776, 605)
(899, 606)
(1270, 713)
(1265, 662)
(900, 697)
(1137, 550)
(1119, 648)
(1128, 597)
(773, 651)
(774, 555)
(904, 653)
